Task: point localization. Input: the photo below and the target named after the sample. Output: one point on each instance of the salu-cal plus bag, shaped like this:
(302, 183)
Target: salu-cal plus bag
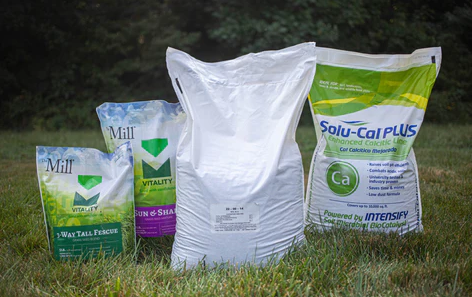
(87, 200)
(367, 111)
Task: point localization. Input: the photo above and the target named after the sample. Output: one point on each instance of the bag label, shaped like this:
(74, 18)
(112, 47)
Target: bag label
(376, 204)
(155, 221)
(368, 110)
(353, 108)
(89, 240)
(233, 218)
(154, 128)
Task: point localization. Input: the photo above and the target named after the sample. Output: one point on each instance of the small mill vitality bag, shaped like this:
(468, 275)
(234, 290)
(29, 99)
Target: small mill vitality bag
(239, 169)
(87, 200)
(153, 128)
(367, 111)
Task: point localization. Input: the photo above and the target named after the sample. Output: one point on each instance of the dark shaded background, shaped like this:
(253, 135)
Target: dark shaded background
(61, 59)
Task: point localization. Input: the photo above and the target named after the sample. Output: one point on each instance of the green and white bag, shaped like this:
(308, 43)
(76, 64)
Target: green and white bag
(153, 128)
(367, 111)
(87, 200)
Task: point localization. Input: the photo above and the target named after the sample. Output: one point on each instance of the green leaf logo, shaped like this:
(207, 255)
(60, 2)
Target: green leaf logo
(79, 200)
(89, 181)
(155, 147)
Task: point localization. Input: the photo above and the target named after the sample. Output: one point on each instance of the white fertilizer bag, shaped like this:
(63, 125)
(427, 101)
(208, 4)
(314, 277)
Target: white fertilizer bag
(153, 128)
(239, 169)
(87, 200)
(367, 111)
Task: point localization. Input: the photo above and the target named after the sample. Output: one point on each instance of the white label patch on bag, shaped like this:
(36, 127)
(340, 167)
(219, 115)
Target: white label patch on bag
(232, 218)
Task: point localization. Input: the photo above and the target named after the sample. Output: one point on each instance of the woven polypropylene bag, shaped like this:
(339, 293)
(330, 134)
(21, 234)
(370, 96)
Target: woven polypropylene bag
(239, 169)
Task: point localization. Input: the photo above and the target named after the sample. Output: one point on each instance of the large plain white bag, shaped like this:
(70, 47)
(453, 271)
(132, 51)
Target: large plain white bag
(239, 169)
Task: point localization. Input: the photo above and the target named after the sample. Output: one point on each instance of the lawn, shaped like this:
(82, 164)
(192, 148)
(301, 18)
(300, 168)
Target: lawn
(437, 262)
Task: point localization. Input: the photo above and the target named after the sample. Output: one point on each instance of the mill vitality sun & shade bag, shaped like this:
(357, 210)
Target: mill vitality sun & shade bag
(239, 169)
(153, 128)
(367, 111)
(87, 200)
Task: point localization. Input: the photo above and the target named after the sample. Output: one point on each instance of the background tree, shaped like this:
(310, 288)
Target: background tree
(369, 26)
(61, 59)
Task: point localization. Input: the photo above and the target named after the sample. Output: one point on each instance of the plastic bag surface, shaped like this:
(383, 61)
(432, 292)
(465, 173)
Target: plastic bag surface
(239, 169)
(87, 200)
(153, 127)
(367, 111)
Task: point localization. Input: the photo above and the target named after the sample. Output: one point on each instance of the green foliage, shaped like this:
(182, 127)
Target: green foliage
(436, 262)
(452, 100)
(61, 59)
(368, 26)
(65, 58)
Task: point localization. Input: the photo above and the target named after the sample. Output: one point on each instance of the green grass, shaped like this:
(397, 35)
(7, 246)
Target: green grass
(437, 262)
